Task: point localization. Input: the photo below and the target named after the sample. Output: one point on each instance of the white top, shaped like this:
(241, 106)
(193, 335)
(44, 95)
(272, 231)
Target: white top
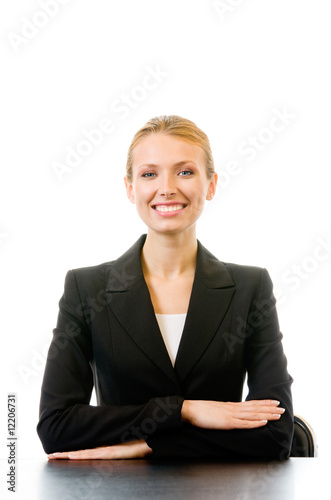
(171, 327)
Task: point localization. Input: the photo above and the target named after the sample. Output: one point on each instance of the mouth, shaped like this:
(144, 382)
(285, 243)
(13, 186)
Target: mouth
(174, 207)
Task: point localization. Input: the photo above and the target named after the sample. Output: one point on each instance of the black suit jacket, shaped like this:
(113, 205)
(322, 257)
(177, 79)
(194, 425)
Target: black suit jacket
(107, 336)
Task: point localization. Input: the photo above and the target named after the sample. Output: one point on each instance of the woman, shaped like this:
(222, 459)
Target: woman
(166, 333)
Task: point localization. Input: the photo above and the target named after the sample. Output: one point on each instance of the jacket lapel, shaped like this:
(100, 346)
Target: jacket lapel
(212, 292)
(130, 301)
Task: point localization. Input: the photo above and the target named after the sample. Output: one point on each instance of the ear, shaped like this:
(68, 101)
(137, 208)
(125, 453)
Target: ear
(212, 187)
(129, 190)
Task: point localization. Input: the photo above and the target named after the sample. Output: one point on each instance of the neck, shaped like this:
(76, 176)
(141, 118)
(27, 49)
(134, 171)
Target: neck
(169, 255)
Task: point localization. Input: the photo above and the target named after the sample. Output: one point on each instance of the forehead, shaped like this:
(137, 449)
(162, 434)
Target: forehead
(156, 148)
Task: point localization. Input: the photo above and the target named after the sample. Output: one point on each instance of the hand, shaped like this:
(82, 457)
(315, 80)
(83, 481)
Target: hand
(227, 416)
(131, 449)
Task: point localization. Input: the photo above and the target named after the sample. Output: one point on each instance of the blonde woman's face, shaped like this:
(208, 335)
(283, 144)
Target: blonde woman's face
(170, 184)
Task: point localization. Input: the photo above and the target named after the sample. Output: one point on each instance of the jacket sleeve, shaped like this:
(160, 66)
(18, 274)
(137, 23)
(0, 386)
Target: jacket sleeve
(67, 421)
(267, 378)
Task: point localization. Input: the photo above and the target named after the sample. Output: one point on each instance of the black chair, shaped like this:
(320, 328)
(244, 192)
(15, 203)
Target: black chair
(304, 440)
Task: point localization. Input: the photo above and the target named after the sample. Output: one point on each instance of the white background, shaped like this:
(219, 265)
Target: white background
(230, 74)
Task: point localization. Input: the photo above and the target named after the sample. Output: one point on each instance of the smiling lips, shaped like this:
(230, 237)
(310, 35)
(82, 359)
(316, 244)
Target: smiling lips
(171, 208)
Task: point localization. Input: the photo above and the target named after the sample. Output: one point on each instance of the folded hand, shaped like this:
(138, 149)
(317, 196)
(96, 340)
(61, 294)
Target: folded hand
(226, 416)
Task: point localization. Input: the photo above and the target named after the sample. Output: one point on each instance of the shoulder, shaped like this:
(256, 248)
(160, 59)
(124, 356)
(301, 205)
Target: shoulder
(91, 271)
(87, 281)
(251, 282)
(239, 273)
(248, 281)
(89, 276)
(116, 274)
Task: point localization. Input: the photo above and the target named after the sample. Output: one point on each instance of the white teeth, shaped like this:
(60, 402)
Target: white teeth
(168, 208)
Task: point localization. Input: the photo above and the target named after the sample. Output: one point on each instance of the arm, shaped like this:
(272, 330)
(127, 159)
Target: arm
(193, 438)
(67, 421)
(267, 379)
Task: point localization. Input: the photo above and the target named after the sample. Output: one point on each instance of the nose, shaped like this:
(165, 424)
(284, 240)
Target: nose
(167, 185)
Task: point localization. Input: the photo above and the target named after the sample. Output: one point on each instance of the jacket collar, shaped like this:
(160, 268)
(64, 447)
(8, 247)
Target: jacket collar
(126, 272)
(211, 296)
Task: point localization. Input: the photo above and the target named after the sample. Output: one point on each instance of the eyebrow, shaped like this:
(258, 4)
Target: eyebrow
(178, 164)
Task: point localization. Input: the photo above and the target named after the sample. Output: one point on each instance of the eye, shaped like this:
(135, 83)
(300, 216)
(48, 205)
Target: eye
(185, 173)
(148, 174)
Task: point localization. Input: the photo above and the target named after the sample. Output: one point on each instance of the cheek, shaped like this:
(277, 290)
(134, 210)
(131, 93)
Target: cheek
(198, 196)
(143, 198)
(141, 193)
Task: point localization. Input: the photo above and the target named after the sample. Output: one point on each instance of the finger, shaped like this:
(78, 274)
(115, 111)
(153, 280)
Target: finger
(260, 402)
(58, 456)
(82, 455)
(94, 453)
(264, 402)
(262, 413)
(249, 424)
(256, 417)
(79, 454)
(116, 451)
(272, 402)
(260, 408)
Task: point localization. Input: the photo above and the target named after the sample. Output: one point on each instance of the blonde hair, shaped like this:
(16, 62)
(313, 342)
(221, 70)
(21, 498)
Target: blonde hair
(176, 126)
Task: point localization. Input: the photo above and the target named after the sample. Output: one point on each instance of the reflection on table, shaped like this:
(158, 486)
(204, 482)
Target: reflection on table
(296, 478)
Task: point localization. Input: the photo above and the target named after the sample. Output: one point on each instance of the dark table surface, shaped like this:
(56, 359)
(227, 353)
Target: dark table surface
(293, 479)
